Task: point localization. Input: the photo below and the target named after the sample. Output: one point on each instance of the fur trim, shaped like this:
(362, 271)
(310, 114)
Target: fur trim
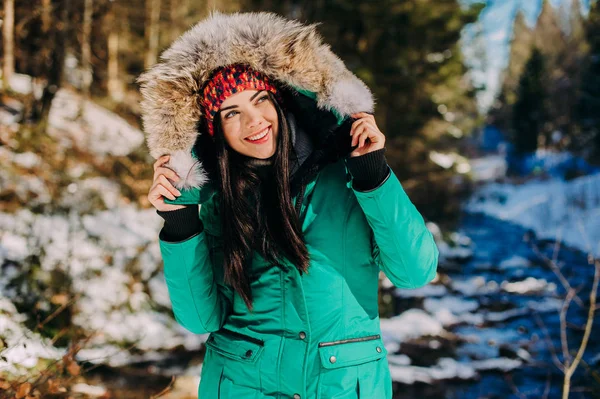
(286, 50)
(188, 169)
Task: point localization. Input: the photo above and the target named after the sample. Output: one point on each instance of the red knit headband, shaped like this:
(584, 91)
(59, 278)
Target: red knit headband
(227, 81)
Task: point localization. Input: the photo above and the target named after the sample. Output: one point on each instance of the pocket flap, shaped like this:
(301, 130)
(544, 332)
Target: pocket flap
(235, 346)
(351, 352)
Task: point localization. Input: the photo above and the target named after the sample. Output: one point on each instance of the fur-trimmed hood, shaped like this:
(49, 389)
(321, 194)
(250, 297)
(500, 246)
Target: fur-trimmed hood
(291, 53)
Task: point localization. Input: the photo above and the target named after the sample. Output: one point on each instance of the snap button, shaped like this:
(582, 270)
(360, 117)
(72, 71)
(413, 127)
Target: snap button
(249, 353)
(332, 359)
(302, 335)
(296, 396)
(378, 349)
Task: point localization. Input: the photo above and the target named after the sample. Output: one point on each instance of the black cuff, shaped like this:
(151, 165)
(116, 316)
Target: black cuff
(369, 170)
(180, 224)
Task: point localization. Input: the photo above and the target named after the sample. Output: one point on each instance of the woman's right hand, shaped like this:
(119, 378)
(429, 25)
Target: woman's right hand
(162, 187)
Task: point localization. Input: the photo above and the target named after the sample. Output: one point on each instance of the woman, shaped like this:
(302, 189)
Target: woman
(254, 118)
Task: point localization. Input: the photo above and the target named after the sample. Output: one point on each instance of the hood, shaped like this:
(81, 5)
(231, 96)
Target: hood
(291, 53)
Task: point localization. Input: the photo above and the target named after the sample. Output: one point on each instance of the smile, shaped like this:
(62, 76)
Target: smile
(260, 137)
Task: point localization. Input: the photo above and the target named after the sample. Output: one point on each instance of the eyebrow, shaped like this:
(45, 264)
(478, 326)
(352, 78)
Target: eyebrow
(235, 106)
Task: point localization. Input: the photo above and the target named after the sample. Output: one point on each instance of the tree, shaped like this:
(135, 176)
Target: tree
(529, 111)
(86, 48)
(114, 84)
(8, 27)
(589, 102)
(547, 35)
(520, 51)
(152, 31)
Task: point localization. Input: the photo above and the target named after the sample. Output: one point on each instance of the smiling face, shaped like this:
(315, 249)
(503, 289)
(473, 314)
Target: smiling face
(249, 122)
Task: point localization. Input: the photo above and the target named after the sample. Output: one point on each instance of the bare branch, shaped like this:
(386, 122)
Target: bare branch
(588, 330)
(164, 391)
(563, 327)
(547, 387)
(553, 266)
(548, 340)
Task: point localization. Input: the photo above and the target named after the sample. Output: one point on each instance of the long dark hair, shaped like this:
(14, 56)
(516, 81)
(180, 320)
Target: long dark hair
(256, 212)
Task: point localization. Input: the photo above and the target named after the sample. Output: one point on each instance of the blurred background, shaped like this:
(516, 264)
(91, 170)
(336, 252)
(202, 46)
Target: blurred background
(492, 115)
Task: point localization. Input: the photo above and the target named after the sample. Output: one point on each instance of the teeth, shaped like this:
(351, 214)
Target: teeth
(259, 136)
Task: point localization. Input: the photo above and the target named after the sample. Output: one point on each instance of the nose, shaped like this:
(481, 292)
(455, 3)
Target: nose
(255, 119)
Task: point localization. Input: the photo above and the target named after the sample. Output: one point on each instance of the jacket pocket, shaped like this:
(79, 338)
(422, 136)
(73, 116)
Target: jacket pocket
(351, 352)
(353, 368)
(235, 346)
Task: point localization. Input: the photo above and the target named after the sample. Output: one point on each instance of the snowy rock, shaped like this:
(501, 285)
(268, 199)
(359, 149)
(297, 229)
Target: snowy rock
(445, 369)
(474, 286)
(412, 323)
(529, 285)
(514, 262)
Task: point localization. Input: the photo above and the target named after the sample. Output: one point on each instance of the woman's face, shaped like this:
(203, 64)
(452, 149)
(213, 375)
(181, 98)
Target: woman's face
(250, 124)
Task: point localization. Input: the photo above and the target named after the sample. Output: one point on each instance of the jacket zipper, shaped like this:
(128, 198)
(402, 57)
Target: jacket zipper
(349, 340)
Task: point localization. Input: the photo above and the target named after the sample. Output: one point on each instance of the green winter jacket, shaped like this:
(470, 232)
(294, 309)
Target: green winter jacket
(310, 336)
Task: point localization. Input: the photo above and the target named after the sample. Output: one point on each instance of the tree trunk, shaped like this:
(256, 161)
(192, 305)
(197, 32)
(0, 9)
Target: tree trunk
(152, 31)
(86, 48)
(8, 27)
(179, 12)
(46, 15)
(57, 58)
(115, 86)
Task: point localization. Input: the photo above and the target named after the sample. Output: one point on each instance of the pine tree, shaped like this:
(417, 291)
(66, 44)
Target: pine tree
(520, 51)
(529, 113)
(589, 105)
(547, 35)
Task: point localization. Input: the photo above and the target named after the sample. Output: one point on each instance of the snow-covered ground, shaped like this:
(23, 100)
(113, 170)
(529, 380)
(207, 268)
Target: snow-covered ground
(105, 245)
(567, 211)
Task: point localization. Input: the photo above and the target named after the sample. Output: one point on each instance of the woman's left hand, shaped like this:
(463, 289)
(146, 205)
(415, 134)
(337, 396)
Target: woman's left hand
(362, 129)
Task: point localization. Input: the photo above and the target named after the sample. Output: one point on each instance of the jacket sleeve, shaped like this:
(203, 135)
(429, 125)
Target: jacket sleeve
(199, 299)
(404, 248)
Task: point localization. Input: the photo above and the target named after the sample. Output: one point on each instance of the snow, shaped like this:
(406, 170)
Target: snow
(454, 304)
(488, 168)
(514, 261)
(412, 323)
(27, 160)
(425, 291)
(474, 286)
(446, 368)
(529, 285)
(567, 211)
(23, 84)
(24, 348)
(500, 363)
(448, 160)
(90, 390)
(99, 131)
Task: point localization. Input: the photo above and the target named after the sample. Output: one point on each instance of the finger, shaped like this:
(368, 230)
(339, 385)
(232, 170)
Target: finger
(156, 193)
(356, 124)
(169, 173)
(160, 189)
(362, 115)
(168, 185)
(363, 138)
(160, 161)
(359, 132)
